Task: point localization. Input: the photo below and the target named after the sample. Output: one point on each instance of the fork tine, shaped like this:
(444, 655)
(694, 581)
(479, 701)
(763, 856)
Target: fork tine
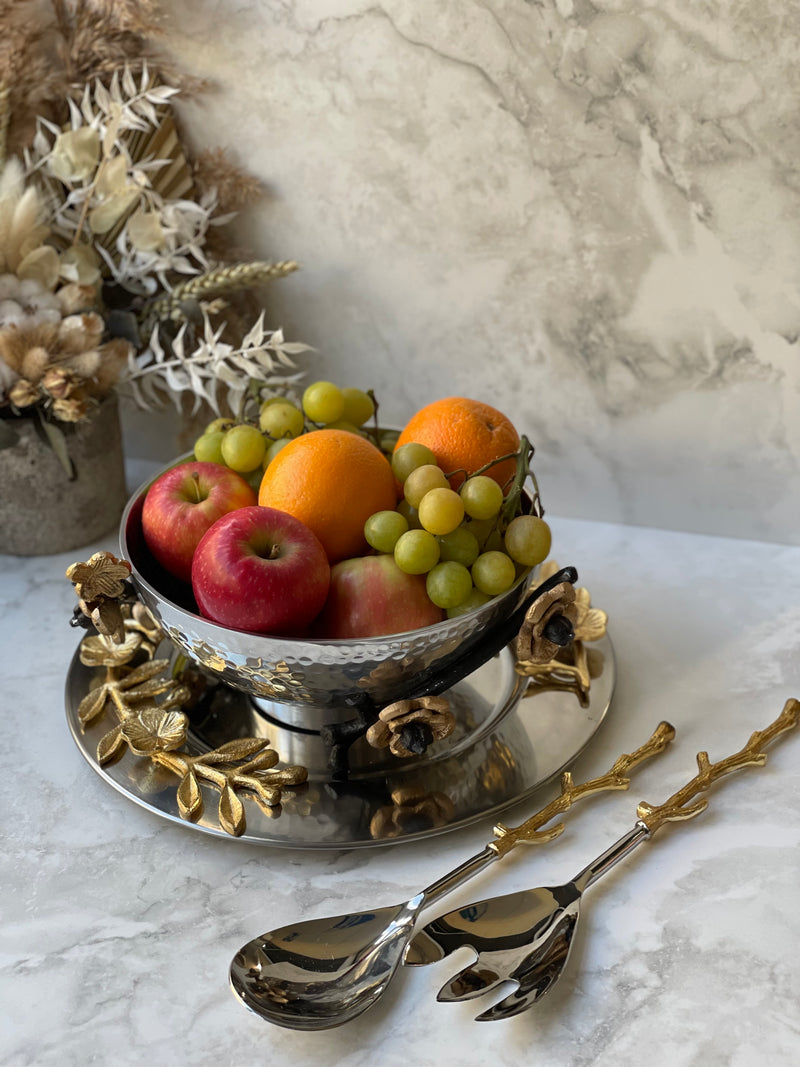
(514, 1004)
(538, 973)
(472, 981)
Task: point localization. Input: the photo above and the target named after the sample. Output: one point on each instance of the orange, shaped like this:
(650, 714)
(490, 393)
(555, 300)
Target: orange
(332, 480)
(464, 435)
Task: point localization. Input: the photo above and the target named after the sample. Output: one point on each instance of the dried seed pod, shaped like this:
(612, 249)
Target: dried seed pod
(23, 393)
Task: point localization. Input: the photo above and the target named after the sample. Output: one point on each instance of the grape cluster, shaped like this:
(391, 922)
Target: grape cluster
(472, 544)
(248, 447)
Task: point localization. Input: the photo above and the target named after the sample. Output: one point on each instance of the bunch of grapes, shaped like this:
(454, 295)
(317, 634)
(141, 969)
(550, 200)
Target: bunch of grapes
(248, 448)
(472, 544)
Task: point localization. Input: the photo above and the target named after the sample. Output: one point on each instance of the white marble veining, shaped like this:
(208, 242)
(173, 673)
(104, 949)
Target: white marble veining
(118, 926)
(586, 212)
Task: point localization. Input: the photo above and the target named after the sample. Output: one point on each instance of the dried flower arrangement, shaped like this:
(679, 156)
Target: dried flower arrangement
(114, 269)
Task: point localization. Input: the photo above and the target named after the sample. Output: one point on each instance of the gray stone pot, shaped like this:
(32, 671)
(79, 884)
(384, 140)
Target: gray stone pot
(42, 511)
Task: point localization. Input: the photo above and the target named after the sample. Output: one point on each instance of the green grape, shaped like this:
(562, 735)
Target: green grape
(273, 449)
(416, 551)
(243, 448)
(494, 542)
(476, 599)
(528, 540)
(343, 424)
(323, 402)
(441, 511)
(480, 529)
(253, 479)
(281, 418)
(221, 424)
(421, 480)
(460, 546)
(208, 447)
(410, 514)
(410, 456)
(448, 584)
(482, 497)
(359, 406)
(383, 529)
(493, 572)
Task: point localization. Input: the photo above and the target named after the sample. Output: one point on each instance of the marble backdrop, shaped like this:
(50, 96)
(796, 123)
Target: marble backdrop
(586, 213)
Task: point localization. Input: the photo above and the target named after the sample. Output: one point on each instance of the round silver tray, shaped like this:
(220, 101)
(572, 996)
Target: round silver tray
(509, 741)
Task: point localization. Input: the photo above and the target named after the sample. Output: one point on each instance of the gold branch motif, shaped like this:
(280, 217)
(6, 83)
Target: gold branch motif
(146, 701)
(680, 807)
(124, 689)
(241, 764)
(530, 831)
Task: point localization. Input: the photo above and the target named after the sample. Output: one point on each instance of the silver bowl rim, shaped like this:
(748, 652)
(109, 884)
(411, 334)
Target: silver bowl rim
(517, 588)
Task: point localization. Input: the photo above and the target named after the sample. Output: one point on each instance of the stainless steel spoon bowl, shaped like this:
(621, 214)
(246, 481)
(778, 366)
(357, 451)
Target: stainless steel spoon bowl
(317, 974)
(525, 938)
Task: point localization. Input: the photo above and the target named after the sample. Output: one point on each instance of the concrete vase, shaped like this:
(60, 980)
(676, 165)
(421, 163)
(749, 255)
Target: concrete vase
(42, 511)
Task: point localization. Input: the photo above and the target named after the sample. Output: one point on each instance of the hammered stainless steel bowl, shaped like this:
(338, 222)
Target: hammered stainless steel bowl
(321, 681)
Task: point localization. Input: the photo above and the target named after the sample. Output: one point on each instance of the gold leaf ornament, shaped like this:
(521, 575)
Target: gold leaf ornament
(242, 748)
(135, 686)
(190, 799)
(231, 812)
(110, 746)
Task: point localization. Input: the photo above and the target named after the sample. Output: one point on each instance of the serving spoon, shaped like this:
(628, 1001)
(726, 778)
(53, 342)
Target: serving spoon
(526, 937)
(320, 973)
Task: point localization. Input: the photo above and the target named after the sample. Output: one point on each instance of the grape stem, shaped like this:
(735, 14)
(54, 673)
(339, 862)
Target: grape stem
(512, 504)
(374, 431)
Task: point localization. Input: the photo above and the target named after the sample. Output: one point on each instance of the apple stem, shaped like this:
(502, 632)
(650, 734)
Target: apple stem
(196, 483)
(274, 552)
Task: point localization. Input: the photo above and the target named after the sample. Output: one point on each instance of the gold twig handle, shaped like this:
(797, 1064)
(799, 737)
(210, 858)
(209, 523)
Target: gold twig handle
(679, 806)
(530, 832)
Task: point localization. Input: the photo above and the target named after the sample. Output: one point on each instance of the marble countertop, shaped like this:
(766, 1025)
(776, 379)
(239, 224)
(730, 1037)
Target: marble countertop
(118, 926)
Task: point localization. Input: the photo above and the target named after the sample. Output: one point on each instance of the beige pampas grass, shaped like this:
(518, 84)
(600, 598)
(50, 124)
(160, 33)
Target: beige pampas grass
(20, 215)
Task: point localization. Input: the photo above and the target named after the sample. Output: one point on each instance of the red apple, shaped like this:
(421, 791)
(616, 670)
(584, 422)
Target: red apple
(371, 596)
(182, 503)
(262, 570)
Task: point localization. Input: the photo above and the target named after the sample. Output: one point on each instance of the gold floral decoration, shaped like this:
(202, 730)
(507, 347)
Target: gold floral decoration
(413, 810)
(533, 645)
(572, 668)
(99, 585)
(430, 713)
(146, 699)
